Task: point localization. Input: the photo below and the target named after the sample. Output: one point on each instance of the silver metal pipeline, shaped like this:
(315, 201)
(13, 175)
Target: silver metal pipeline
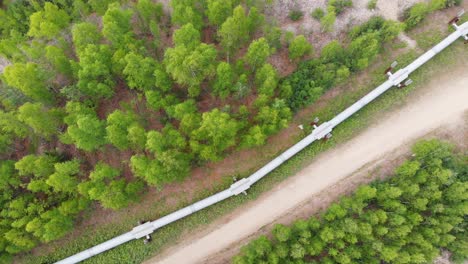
(242, 185)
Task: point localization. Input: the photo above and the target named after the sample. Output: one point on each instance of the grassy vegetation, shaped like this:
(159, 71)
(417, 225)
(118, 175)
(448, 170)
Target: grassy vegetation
(136, 252)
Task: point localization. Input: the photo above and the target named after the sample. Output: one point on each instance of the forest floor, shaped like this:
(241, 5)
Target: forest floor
(438, 109)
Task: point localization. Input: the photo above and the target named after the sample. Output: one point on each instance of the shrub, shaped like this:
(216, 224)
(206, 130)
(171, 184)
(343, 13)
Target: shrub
(318, 13)
(372, 4)
(340, 5)
(415, 14)
(295, 15)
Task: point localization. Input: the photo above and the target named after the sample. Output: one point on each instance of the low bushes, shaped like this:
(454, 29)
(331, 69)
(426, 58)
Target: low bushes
(315, 76)
(419, 11)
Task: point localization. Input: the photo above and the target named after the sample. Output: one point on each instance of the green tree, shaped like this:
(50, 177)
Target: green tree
(148, 12)
(362, 51)
(216, 133)
(136, 137)
(234, 31)
(299, 47)
(186, 11)
(100, 6)
(59, 60)
(10, 124)
(224, 80)
(257, 53)
(266, 79)
(187, 35)
(88, 133)
(95, 73)
(38, 166)
(281, 232)
(83, 34)
(43, 121)
(116, 25)
(110, 192)
(139, 71)
(254, 137)
(34, 86)
(218, 11)
(48, 22)
(273, 118)
(118, 127)
(64, 177)
(190, 66)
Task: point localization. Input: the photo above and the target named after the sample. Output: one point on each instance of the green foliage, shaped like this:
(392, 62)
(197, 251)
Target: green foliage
(224, 80)
(83, 34)
(187, 11)
(191, 66)
(116, 25)
(148, 12)
(218, 11)
(415, 14)
(95, 73)
(257, 53)
(10, 124)
(266, 79)
(295, 15)
(299, 47)
(139, 71)
(34, 86)
(372, 4)
(118, 129)
(318, 13)
(216, 133)
(111, 192)
(340, 5)
(328, 20)
(317, 75)
(44, 122)
(384, 221)
(85, 130)
(100, 6)
(187, 35)
(59, 60)
(234, 31)
(49, 22)
(64, 177)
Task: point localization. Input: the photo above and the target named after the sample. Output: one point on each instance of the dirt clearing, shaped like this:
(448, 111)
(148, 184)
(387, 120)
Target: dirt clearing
(442, 104)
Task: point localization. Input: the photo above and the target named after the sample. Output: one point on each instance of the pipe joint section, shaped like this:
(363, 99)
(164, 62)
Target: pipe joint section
(240, 186)
(142, 230)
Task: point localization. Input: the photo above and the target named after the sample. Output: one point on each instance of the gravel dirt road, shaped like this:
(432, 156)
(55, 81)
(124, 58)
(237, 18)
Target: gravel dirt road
(443, 102)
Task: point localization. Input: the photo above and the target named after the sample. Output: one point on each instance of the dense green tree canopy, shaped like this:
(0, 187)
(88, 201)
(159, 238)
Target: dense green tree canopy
(217, 132)
(48, 22)
(258, 52)
(190, 66)
(34, 86)
(386, 221)
(43, 121)
(95, 72)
